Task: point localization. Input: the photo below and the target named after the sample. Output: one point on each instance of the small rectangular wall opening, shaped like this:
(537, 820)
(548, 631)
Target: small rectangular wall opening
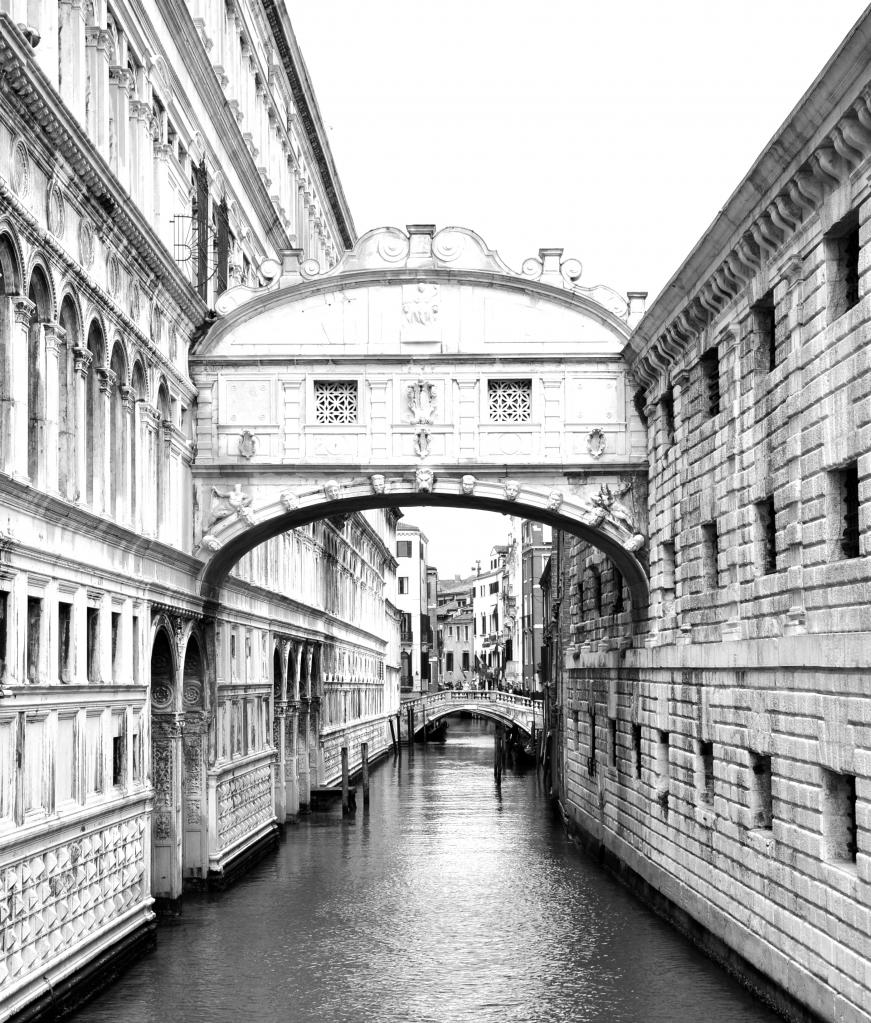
(663, 771)
(636, 749)
(766, 536)
(842, 266)
(760, 790)
(709, 365)
(705, 772)
(843, 512)
(710, 555)
(612, 741)
(666, 407)
(839, 817)
(591, 762)
(116, 646)
(764, 323)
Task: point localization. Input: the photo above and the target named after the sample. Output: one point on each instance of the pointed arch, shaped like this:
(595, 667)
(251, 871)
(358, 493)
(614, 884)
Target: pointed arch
(70, 322)
(118, 432)
(40, 294)
(94, 418)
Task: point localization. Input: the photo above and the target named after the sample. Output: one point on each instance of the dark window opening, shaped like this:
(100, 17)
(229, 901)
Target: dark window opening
(222, 243)
(710, 367)
(636, 748)
(64, 628)
(760, 792)
(839, 816)
(612, 741)
(842, 266)
(767, 528)
(34, 637)
(710, 555)
(706, 756)
(116, 631)
(638, 400)
(765, 322)
(4, 627)
(666, 405)
(117, 759)
(403, 548)
(93, 641)
(618, 590)
(845, 485)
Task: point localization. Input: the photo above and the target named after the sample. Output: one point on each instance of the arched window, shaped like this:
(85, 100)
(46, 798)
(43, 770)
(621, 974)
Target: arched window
(117, 447)
(94, 419)
(40, 295)
(10, 284)
(66, 393)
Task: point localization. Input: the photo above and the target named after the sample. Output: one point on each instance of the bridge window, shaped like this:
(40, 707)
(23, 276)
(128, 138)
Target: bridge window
(510, 401)
(336, 401)
(839, 816)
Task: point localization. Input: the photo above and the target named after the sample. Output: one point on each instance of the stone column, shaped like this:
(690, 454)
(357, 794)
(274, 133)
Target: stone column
(55, 336)
(128, 397)
(105, 469)
(71, 31)
(167, 772)
(279, 739)
(83, 359)
(681, 390)
(148, 495)
(142, 157)
(18, 386)
(163, 194)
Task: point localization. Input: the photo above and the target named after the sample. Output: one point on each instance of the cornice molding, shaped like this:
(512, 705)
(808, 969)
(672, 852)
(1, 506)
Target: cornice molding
(310, 117)
(817, 149)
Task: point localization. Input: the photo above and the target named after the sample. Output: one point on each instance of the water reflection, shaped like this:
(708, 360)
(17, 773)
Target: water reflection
(448, 901)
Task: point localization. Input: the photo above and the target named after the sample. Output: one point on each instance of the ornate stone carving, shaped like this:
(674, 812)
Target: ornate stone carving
(378, 483)
(422, 402)
(244, 803)
(421, 443)
(596, 443)
(211, 543)
(21, 175)
(554, 500)
(289, 500)
(467, 485)
(161, 695)
(420, 304)
(510, 489)
(113, 276)
(423, 480)
(86, 243)
(634, 543)
(231, 502)
(332, 490)
(607, 500)
(135, 301)
(56, 210)
(247, 444)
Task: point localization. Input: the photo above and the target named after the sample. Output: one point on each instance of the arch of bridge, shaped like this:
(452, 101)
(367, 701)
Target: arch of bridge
(507, 710)
(421, 332)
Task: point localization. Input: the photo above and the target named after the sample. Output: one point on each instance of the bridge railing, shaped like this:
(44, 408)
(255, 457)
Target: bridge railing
(526, 711)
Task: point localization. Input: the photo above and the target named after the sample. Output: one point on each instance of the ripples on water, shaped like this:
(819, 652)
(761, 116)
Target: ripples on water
(448, 901)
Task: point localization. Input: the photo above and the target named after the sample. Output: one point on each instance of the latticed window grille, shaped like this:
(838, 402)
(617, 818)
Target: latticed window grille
(336, 401)
(510, 401)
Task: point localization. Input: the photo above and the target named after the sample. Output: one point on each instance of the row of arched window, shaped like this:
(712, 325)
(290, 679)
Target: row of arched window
(75, 416)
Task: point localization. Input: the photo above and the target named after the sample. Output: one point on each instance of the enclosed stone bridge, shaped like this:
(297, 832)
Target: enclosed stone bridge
(419, 370)
(494, 704)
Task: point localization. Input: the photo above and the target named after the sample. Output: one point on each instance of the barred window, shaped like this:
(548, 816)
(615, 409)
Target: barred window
(510, 401)
(336, 401)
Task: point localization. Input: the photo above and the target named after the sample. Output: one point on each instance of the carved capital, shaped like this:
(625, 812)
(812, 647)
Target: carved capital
(108, 379)
(83, 359)
(55, 337)
(128, 398)
(22, 310)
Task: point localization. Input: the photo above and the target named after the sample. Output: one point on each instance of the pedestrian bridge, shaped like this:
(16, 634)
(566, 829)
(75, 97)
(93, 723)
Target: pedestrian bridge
(500, 706)
(419, 370)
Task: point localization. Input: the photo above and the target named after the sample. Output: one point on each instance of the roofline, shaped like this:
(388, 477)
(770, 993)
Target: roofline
(785, 152)
(310, 115)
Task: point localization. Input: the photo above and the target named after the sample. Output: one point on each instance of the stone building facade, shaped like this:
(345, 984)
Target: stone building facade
(152, 155)
(715, 747)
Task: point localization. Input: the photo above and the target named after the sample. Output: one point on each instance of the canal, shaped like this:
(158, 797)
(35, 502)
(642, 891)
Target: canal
(448, 901)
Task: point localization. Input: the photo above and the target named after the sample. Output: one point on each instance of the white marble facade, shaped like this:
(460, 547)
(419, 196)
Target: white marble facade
(151, 156)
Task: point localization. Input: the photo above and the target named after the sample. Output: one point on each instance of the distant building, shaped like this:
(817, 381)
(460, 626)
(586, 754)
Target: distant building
(456, 633)
(489, 617)
(412, 604)
(432, 583)
(535, 552)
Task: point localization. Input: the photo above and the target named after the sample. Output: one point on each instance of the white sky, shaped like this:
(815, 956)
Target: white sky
(615, 129)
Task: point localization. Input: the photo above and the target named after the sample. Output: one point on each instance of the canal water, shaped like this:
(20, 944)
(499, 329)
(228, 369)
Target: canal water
(449, 901)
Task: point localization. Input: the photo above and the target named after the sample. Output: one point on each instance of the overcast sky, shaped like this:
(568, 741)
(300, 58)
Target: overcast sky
(615, 129)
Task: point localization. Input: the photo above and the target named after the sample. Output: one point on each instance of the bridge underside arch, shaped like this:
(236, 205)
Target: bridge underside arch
(483, 710)
(598, 522)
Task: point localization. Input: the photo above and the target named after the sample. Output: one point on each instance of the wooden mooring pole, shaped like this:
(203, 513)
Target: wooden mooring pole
(392, 735)
(364, 760)
(346, 802)
(498, 754)
(409, 713)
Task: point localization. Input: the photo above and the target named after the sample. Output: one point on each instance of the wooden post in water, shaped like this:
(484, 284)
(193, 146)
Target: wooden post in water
(497, 755)
(392, 735)
(364, 759)
(410, 715)
(346, 803)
